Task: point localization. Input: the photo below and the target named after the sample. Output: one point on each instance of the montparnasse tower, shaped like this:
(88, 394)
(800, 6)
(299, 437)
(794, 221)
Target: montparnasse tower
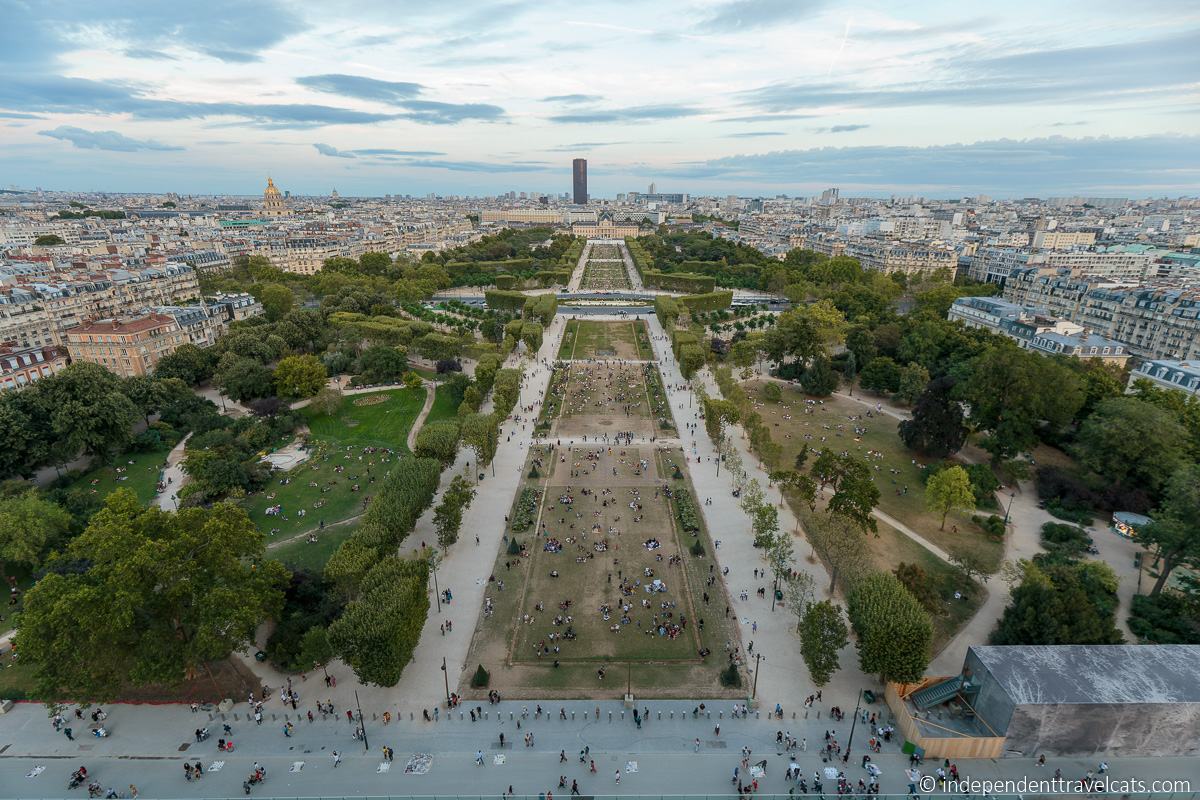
(273, 205)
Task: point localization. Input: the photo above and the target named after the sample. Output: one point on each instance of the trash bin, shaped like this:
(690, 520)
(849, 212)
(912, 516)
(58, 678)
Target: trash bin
(260, 656)
(868, 696)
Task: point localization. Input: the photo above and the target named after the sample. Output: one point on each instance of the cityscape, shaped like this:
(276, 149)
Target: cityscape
(706, 399)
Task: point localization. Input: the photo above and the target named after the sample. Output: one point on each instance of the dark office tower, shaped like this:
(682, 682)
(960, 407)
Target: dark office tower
(579, 176)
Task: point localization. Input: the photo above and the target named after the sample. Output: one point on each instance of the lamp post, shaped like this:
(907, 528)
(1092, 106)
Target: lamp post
(853, 722)
(446, 678)
(754, 687)
(1011, 498)
(436, 592)
(362, 724)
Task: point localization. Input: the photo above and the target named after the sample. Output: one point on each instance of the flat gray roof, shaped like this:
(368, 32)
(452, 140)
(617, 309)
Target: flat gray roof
(1112, 674)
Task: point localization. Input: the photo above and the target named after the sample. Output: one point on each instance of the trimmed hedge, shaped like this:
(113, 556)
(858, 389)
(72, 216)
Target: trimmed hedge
(667, 309)
(542, 307)
(502, 300)
(710, 301)
(679, 281)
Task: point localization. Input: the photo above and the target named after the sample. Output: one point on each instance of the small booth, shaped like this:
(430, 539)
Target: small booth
(1127, 524)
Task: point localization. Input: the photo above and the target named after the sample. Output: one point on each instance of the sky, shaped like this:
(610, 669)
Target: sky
(746, 97)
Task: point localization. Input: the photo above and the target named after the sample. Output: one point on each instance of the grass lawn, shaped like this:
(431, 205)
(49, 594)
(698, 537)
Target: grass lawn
(136, 471)
(378, 419)
(323, 485)
(583, 339)
(443, 407)
(593, 563)
(898, 473)
(303, 554)
(604, 398)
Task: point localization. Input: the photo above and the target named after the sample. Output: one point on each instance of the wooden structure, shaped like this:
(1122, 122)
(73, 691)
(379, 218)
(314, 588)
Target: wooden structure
(946, 742)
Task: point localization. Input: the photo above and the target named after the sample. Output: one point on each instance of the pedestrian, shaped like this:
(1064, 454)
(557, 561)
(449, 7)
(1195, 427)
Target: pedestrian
(349, 716)
(562, 756)
(187, 771)
(133, 792)
(697, 744)
(67, 731)
(1041, 762)
(1103, 768)
(617, 776)
(479, 758)
(717, 730)
(337, 759)
(198, 770)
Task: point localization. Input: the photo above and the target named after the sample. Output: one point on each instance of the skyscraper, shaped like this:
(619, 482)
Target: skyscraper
(579, 180)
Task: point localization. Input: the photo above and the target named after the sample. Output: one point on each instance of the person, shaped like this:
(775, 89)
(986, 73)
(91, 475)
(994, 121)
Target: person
(337, 759)
(618, 776)
(133, 792)
(479, 758)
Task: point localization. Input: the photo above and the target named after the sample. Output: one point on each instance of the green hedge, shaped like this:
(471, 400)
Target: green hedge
(531, 335)
(542, 307)
(679, 281)
(458, 268)
(667, 309)
(502, 300)
(685, 510)
(551, 277)
(505, 281)
(710, 301)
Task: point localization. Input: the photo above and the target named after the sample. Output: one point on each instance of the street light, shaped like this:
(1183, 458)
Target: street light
(446, 678)
(1011, 498)
(854, 722)
(362, 724)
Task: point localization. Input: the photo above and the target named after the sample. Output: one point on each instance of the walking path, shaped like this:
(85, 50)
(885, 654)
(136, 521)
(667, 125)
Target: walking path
(577, 274)
(174, 478)
(430, 390)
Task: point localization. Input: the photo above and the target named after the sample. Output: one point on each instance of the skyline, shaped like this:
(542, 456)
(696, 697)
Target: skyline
(751, 97)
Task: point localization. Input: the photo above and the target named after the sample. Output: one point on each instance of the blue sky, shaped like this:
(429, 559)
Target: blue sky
(720, 96)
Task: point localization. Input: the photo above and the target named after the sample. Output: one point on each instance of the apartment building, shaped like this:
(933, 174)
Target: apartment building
(127, 346)
(234, 307)
(1154, 323)
(1063, 240)
(21, 366)
(1179, 376)
(906, 257)
(1033, 329)
(528, 216)
(995, 264)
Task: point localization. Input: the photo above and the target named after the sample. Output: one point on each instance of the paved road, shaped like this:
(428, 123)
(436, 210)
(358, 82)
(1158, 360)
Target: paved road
(149, 744)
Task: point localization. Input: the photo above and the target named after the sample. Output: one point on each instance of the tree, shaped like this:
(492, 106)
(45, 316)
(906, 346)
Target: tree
(327, 401)
(894, 632)
(447, 517)
(381, 364)
(949, 489)
(147, 597)
(822, 635)
(793, 335)
(379, 629)
(480, 432)
(854, 491)
(244, 378)
(277, 300)
(146, 393)
(438, 439)
(1132, 442)
(920, 585)
(1071, 603)
(88, 411)
(861, 342)
(842, 545)
(188, 363)
(936, 428)
(764, 522)
(49, 240)
(299, 376)
(29, 526)
(880, 375)
(438, 346)
(772, 392)
(803, 485)
(850, 370)
(798, 592)
(1174, 535)
(1013, 392)
(819, 380)
(913, 380)
(718, 414)
(315, 648)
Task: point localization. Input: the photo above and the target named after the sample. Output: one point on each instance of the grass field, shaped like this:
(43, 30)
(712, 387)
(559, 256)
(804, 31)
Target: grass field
(378, 419)
(584, 339)
(443, 407)
(898, 474)
(601, 275)
(323, 485)
(303, 554)
(603, 398)
(136, 471)
(602, 547)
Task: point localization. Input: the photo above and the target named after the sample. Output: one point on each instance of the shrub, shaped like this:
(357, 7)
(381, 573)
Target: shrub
(526, 510)
(481, 678)
(730, 677)
(514, 549)
(1067, 540)
(984, 485)
(533, 472)
(992, 525)
(697, 549)
(1166, 618)
(772, 392)
(685, 511)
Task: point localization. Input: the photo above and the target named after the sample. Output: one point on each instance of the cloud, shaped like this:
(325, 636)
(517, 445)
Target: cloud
(149, 54)
(481, 166)
(1068, 124)
(402, 95)
(1049, 166)
(53, 93)
(572, 98)
(915, 32)
(361, 88)
(750, 14)
(768, 117)
(430, 112)
(753, 134)
(634, 114)
(236, 31)
(331, 151)
(19, 115)
(1074, 74)
(387, 151)
(103, 140)
(840, 129)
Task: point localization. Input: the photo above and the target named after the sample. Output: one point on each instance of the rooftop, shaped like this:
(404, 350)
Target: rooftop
(1112, 674)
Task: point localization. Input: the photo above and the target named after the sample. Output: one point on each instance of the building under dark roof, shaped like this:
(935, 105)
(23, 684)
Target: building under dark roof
(1116, 700)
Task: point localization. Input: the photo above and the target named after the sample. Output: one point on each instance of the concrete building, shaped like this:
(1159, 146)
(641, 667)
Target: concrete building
(1033, 329)
(534, 216)
(1069, 700)
(1179, 376)
(21, 366)
(129, 346)
(906, 257)
(273, 204)
(579, 181)
(234, 307)
(1063, 240)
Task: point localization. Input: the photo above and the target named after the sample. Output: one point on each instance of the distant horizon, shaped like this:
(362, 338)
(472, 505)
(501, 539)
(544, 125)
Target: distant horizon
(711, 97)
